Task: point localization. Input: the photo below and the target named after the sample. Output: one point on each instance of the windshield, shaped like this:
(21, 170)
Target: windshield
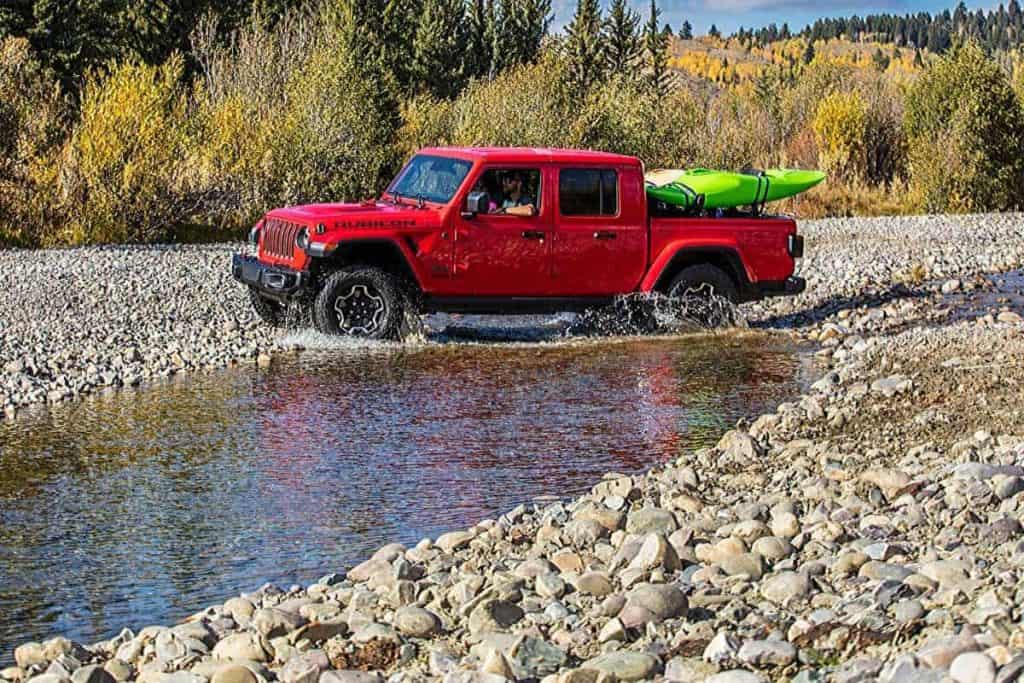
(435, 179)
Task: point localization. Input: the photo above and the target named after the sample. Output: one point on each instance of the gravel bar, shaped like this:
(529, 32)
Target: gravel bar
(870, 529)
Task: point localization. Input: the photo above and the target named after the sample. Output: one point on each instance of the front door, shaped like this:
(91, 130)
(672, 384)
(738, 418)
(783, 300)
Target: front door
(506, 252)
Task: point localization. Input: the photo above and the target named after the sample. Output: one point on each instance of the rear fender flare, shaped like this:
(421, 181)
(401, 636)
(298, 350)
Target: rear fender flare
(678, 255)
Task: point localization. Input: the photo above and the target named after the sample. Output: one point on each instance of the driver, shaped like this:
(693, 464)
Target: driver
(516, 203)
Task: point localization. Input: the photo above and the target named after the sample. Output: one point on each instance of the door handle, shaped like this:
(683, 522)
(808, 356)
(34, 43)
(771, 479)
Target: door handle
(604, 235)
(533, 235)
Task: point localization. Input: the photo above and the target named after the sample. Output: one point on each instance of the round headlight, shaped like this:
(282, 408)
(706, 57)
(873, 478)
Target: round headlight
(302, 239)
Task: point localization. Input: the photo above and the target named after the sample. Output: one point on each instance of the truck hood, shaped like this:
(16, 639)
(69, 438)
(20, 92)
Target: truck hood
(377, 214)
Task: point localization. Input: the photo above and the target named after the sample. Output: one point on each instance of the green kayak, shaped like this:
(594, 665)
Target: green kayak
(726, 189)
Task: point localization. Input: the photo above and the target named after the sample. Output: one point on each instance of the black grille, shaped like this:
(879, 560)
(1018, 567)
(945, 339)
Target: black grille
(279, 237)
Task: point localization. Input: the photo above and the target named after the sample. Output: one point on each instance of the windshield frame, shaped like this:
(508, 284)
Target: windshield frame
(390, 194)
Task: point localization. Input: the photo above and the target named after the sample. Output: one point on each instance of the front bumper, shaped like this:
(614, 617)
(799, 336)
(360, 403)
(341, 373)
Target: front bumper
(275, 282)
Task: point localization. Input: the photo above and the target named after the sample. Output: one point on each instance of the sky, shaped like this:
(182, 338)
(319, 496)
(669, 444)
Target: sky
(729, 15)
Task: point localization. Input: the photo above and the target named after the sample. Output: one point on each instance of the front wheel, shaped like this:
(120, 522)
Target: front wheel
(360, 301)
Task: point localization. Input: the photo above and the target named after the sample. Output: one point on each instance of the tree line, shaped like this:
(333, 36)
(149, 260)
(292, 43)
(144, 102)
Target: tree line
(443, 43)
(325, 102)
(998, 29)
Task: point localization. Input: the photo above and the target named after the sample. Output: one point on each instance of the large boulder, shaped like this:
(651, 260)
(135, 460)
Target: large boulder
(652, 603)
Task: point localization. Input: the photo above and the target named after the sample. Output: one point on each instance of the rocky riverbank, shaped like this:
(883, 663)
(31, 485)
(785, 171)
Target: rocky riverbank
(869, 529)
(78, 321)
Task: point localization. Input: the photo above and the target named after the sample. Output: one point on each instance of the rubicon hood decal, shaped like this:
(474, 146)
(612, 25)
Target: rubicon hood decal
(381, 216)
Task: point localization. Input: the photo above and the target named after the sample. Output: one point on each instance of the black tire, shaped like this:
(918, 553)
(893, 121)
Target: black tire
(360, 301)
(271, 312)
(703, 280)
(696, 295)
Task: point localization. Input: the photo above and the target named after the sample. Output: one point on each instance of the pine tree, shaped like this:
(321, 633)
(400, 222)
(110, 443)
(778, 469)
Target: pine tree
(656, 52)
(621, 38)
(583, 45)
(439, 48)
(880, 60)
(480, 17)
(714, 32)
(401, 20)
(72, 37)
(809, 52)
(362, 33)
(518, 28)
(686, 31)
(534, 20)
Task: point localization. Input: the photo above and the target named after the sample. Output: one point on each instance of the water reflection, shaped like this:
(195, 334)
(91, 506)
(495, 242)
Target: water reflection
(142, 507)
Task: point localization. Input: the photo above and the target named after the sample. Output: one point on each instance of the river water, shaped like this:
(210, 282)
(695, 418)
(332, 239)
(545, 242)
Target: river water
(144, 506)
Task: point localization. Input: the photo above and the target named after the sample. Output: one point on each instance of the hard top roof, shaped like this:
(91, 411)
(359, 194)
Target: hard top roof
(527, 155)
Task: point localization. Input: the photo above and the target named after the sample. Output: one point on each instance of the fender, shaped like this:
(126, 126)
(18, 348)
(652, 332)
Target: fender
(663, 262)
(394, 253)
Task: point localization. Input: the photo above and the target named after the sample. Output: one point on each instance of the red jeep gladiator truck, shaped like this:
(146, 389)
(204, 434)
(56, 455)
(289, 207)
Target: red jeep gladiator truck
(506, 230)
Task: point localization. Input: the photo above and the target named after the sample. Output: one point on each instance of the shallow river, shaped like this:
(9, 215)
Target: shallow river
(144, 506)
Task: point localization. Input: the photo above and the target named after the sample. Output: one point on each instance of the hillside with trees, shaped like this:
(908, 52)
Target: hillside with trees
(205, 115)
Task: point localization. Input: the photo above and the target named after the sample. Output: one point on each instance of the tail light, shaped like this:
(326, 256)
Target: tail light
(795, 246)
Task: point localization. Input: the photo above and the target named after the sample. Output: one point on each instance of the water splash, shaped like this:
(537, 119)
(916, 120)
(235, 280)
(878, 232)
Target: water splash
(631, 315)
(655, 313)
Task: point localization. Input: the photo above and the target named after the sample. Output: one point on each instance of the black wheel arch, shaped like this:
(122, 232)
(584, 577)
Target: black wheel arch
(384, 254)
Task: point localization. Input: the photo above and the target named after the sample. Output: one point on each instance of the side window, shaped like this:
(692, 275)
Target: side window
(588, 192)
(510, 188)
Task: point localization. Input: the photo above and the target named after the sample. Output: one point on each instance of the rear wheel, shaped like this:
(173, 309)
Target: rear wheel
(705, 294)
(270, 311)
(704, 281)
(360, 301)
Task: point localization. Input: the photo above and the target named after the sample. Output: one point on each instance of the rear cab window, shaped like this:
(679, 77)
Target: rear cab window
(588, 192)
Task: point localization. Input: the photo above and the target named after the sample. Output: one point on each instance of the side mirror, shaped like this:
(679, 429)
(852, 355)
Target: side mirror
(478, 202)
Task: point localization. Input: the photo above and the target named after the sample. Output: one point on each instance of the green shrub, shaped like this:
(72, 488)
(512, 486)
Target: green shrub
(736, 134)
(880, 156)
(527, 105)
(335, 144)
(288, 117)
(840, 125)
(232, 160)
(125, 169)
(625, 116)
(965, 131)
(799, 103)
(426, 122)
(885, 147)
(32, 126)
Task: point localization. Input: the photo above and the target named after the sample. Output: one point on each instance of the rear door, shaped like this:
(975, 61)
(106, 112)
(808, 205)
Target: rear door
(600, 241)
(503, 255)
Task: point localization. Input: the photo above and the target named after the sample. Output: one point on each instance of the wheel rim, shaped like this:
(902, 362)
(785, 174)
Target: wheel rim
(361, 311)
